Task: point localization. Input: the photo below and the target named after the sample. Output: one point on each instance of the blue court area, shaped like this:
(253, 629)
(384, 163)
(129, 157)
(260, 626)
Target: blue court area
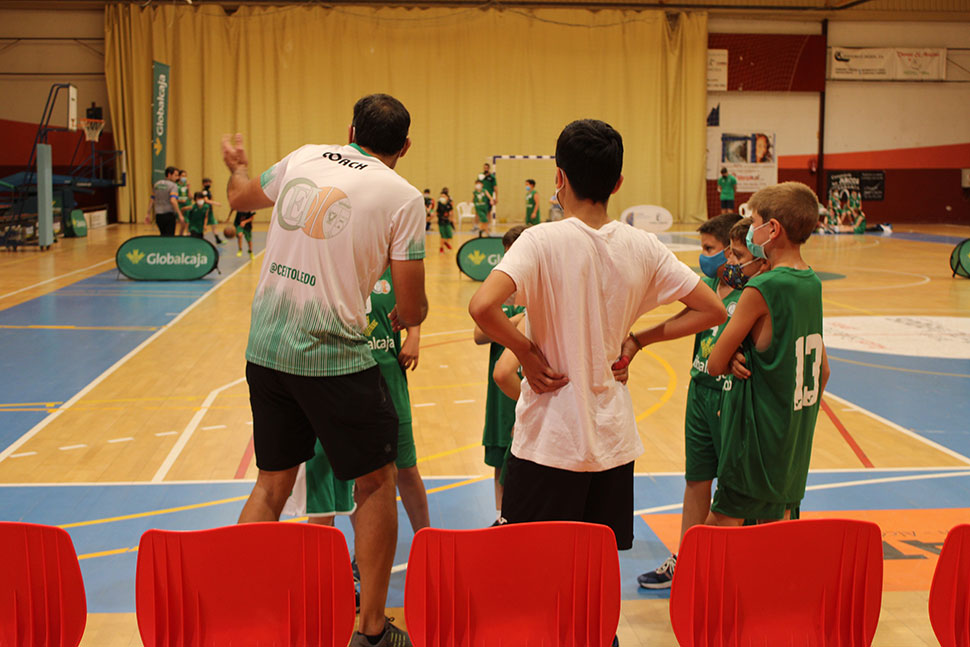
(106, 521)
(86, 326)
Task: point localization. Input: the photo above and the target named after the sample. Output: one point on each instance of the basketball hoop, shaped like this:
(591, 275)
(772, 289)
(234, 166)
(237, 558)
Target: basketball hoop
(92, 129)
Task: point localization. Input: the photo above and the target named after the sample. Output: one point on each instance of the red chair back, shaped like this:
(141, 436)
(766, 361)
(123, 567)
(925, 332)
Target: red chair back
(808, 582)
(42, 600)
(550, 584)
(950, 591)
(265, 584)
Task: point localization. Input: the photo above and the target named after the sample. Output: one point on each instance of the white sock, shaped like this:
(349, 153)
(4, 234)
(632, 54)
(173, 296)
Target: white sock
(498, 515)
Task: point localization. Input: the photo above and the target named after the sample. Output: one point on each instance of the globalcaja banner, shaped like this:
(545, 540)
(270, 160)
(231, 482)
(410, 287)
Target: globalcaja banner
(478, 256)
(160, 86)
(166, 258)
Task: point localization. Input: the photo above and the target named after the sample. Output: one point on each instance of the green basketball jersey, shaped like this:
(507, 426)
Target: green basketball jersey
(196, 217)
(488, 182)
(499, 408)
(482, 205)
(769, 419)
(704, 343)
(385, 344)
(183, 192)
(530, 205)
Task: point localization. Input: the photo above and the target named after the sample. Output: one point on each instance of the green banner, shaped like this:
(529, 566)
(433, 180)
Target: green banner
(478, 256)
(166, 258)
(77, 225)
(960, 259)
(160, 85)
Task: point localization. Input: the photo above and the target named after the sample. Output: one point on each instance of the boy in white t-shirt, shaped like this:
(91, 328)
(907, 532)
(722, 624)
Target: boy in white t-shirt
(575, 432)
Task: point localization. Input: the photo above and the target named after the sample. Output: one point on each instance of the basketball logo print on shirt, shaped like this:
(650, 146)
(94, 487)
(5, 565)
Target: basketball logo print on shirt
(321, 212)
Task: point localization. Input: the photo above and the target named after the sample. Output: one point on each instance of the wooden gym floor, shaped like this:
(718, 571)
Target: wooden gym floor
(124, 407)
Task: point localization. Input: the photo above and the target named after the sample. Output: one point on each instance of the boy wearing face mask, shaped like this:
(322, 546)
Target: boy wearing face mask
(742, 264)
(483, 205)
(773, 346)
(446, 220)
(183, 197)
(532, 215)
(196, 215)
(701, 424)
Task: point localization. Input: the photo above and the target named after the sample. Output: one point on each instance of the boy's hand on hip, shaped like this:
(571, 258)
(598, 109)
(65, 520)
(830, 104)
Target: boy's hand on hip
(542, 378)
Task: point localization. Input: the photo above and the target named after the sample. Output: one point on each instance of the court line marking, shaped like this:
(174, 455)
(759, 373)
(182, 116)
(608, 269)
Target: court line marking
(67, 448)
(850, 441)
(447, 332)
(36, 429)
(71, 327)
(462, 401)
(213, 427)
(671, 385)
(446, 386)
(896, 368)
(190, 428)
(121, 440)
(924, 281)
(831, 486)
(449, 452)
(901, 429)
(247, 457)
(56, 278)
(442, 343)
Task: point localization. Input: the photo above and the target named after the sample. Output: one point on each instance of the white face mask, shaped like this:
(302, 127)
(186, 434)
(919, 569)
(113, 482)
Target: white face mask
(478, 187)
(443, 200)
(200, 202)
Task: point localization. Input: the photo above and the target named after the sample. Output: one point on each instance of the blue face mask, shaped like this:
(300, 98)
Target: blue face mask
(710, 264)
(758, 251)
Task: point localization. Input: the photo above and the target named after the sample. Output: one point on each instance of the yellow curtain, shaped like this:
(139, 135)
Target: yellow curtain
(478, 82)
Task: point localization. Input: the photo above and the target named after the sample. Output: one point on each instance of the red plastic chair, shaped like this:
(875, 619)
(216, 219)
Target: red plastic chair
(809, 582)
(950, 591)
(42, 600)
(260, 584)
(549, 584)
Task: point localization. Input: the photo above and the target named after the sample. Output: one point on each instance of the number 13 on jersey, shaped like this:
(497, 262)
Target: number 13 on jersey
(806, 396)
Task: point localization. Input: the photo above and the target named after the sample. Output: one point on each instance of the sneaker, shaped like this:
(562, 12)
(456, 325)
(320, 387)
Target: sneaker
(393, 637)
(660, 578)
(219, 241)
(239, 253)
(250, 254)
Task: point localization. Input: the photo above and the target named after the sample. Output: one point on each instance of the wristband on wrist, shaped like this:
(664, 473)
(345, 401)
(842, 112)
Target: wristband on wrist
(636, 341)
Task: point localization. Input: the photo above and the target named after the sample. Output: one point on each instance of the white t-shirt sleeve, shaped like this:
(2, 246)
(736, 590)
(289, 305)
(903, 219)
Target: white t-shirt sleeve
(672, 279)
(272, 178)
(521, 264)
(407, 231)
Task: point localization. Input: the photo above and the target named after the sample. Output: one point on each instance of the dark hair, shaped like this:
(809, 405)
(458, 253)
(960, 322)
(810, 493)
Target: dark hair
(512, 235)
(182, 170)
(723, 169)
(169, 170)
(198, 194)
(427, 190)
(531, 181)
(590, 153)
(444, 190)
(206, 179)
(720, 227)
(381, 124)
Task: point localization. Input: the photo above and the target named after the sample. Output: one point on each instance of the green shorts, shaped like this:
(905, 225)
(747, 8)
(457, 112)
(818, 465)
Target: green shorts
(445, 229)
(212, 218)
(533, 221)
(495, 455)
(246, 233)
(483, 216)
(407, 455)
(732, 503)
(702, 432)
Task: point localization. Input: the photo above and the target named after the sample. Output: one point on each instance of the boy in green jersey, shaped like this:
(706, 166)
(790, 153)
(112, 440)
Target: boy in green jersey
(326, 495)
(773, 346)
(490, 184)
(483, 206)
(196, 215)
(726, 185)
(701, 424)
(532, 215)
(446, 220)
(183, 198)
(499, 408)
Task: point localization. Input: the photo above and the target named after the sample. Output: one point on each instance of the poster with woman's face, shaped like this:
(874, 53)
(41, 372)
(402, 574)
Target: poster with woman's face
(751, 158)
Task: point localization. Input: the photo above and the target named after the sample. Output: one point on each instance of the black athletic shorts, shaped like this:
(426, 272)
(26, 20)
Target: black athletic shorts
(352, 415)
(166, 223)
(536, 492)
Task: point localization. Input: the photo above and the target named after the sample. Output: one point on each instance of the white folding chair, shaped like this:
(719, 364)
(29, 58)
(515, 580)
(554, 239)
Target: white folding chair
(465, 212)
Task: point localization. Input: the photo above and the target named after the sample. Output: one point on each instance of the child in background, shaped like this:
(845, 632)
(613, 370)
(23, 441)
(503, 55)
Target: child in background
(773, 346)
(244, 229)
(183, 198)
(532, 215)
(207, 192)
(446, 220)
(499, 408)
(702, 438)
(428, 209)
(727, 184)
(483, 206)
(196, 215)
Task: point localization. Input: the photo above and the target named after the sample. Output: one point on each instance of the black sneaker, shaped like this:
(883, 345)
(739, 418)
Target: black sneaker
(392, 637)
(660, 578)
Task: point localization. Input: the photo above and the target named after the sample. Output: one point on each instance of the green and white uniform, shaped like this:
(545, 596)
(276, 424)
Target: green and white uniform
(321, 492)
(482, 205)
(499, 408)
(530, 205)
(860, 228)
(183, 193)
(488, 183)
(768, 420)
(702, 425)
(196, 217)
(339, 215)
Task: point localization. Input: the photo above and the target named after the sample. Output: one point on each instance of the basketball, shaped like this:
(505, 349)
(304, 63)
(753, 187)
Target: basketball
(229, 231)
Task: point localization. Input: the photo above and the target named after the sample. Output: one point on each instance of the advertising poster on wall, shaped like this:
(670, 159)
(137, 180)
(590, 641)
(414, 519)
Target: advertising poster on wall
(869, 186)
(881, 64)
(750, 157)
